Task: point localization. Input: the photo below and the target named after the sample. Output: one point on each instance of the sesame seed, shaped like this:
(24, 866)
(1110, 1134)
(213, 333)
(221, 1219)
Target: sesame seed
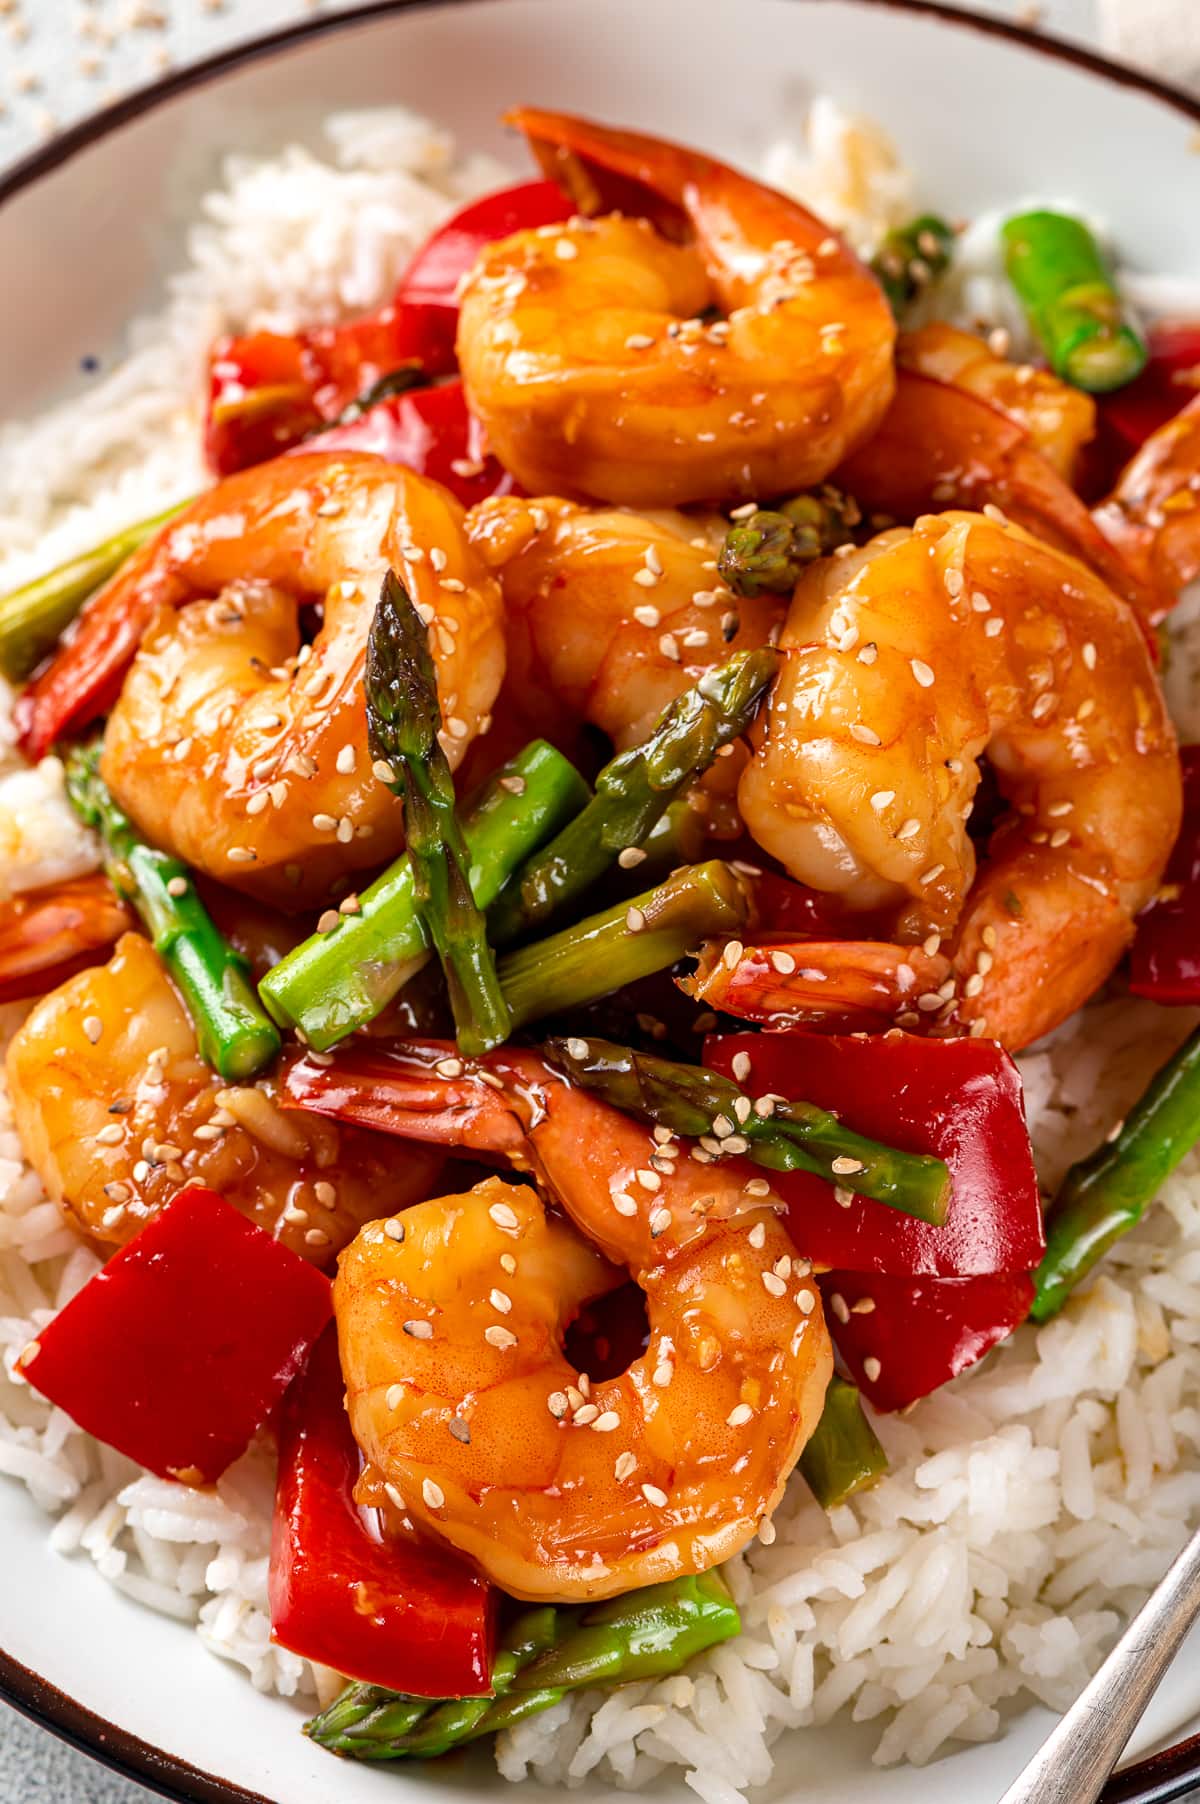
(557, 1404)
(653, 1495)
(93, 1027)
(871, 1368)
(395, 1396)
(177, 886)
(635, 919)
(736, 1143)
(993, 627)
(805, 1302)
(625, 1467)
(449, 1067)
(1088, 654)
(741, 1066)
(325, 823)
(605, 1423)
(766, 1531)
(774, 1286)
(1060, 837)
(433, 1494)
(649, 1180)
(112, 1135)
(578, 1049)
(922, 672)
(639, 341)
(864, 1306)
(757, 1235)
(668, 645)
(500, 1300)
(623, 1203)
(757, 1187)
(842, 1197)
(258, 802)
(1086, 707)
(783, 962)
(499, 1337)
(325, 1193)
(660, 1221)
(869, 653)
(418, 1330)
(503, 1216)
(646, 615)
(839, 1306)
(328, 921)
(883, 798)
(645, 579)
(349, 905)
(932, 874)
(508, 1263)
(241, 855)
(1045, 704)
(394, 1495)
(662, 1374)
(460, 1429)
(739, 1415)
(844, 1167)
(585, 1415)
(864, 735)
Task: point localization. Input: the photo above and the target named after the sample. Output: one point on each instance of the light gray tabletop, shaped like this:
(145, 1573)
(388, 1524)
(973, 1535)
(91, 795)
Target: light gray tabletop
(60, 59)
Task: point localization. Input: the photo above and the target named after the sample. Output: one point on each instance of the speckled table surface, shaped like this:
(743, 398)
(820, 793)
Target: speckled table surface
(60, 59)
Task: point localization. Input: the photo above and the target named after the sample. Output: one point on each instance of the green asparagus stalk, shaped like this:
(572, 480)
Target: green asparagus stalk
(336, 982)
(233, 1033)
(634, 791)
(911, 257)
(782, 1136)
(1056, 267)
(769, 551)
(607, 951)
(1106, 1194)
(843, 1455)
(33, 618)
(545, 1653)
(404, 719)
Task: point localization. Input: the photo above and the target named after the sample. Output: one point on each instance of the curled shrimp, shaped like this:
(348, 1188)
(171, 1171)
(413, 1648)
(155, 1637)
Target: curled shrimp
(1152, 517)
(116, 1111)
(908, 661)
(610, 615)
(48, 934)
(450, 1321)
(584, 356)
(231, 743)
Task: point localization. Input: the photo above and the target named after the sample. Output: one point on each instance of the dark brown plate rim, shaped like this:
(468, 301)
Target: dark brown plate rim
(1160, 1778)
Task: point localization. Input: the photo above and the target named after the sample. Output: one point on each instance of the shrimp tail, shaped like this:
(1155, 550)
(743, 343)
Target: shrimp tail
(46, 935)
(421, 1092)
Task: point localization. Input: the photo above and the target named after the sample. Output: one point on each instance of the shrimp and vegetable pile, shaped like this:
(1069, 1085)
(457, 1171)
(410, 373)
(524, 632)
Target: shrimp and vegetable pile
(634, 738)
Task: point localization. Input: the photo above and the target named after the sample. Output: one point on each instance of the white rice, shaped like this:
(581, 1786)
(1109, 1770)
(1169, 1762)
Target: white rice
(1029, 1506)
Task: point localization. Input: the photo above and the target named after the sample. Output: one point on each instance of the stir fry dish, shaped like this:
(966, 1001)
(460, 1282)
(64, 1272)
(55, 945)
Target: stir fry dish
(636, 734)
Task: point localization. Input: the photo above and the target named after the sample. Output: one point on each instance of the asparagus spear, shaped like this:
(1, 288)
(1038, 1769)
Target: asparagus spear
(911, 257)
(33, 618)
(625, 943)
(843, 1455)
(790, 1136)
(771, 549)
(336, 982)
(232, 1031)
(1056, 267)
(634, 791)
(545, 1653)
(404, 719)
(1106, 1194)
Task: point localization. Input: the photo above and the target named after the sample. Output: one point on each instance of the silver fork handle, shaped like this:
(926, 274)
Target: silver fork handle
(1072, 1765)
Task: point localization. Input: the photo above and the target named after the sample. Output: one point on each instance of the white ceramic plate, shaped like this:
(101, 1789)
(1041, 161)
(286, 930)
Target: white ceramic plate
(88, 230)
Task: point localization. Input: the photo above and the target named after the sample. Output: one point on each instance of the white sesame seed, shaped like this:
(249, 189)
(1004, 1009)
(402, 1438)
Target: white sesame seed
(500, 1300)
(757, 1187)
(177, 886)
(258, 802)
(325, 823)
(586, 1414)
(1088, 654)
(922, 672)
(842, 1197)
(625, 1467)
(864, 1306)
(649, 1180)
(112, 1135)
(739, 1415)
(383, 771)
(993, 627)
(871, 1368)
(839, 1306)
(660, 1221)
(805, 1302)
(774, 1286)
(503, 1216)
(449, 1067)
(1086, 707)
(635, 919)
(844, 1167)
(501, 1338)
(653, 1495)
(783, 962)
(864, 735)
(395, 1396)
(578, 1049)
(345, 760)
(1045, 704)
(328, 921)
(605, 1423)
(932, 874)
(1060, 837)
(757, 1235)
(417, 1330)
(325, 1193)
(557, 1404)
(93, 1027)
(639, 341)
(766, 1531)
(645, 579)
(623, 1203)
(646, 615)
(883, 798)
(662, 1375)
(394, 1495)
(433, 1494)
(241, 855)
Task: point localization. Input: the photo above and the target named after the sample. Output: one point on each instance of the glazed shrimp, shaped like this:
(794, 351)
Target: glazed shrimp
(584, 356)
(450, 1322)
(233, 745)
(907, 661)
(611, 615)
(1152, 516)
(116, 1111)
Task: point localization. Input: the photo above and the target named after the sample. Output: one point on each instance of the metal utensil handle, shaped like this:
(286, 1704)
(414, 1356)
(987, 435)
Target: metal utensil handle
(1072, 1764)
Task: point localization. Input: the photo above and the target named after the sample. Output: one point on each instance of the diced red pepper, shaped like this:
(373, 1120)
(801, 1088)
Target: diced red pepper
(960, 1099)
(1165, 962)
(1169, 381)
(428, 430)
(908, 1336)
(178, 1351)
(268, 390)
(403, 1613)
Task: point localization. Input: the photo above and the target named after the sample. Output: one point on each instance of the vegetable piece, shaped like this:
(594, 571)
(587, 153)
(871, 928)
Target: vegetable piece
(545, 1653)
(32, 618)
(428, 430)
(179, 1349)
(398, 1611)
(904, 1337)
(233, 1031)
(632, 940)
(46, 935)
(1165, 962)
(959, 1099)
(911, 257)
(769, 552)
(1106, 1194)
(634, 791)
(795, 1136)
(268, 390)
(1169, 381)
(404, 719)
(336, 982)
(843, 1454)
(1056, 267)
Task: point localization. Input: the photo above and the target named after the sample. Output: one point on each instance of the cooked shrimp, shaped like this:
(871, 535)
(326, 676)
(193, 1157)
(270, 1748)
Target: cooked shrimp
(610, 615)
(450, 1323)
(48, 934)
(234, 745)
(1152, 516)
(583, 353)
(1060, 420)
(909, 660)
(116, 1111)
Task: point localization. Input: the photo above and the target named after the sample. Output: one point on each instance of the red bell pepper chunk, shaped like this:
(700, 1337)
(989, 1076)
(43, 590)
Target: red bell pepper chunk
(960, 1099)
(1165, 962)
(917, 1334)
(178, 1351)
(1169, 381)
(428, 430)
(268, 390)
(401, 1613)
